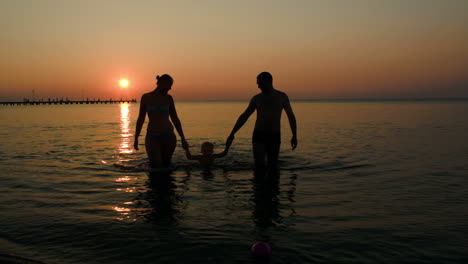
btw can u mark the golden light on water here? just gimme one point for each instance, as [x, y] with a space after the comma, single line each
[121, 209]
[125, 147]
[124, 213]
[124, 83]
[128, 190]
[123, 179]
[125, 133]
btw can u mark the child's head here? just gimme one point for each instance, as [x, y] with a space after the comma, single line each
[207, 148]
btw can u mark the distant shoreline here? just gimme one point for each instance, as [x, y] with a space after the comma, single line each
[246, 100]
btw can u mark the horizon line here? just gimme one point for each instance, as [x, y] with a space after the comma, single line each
[294, 100]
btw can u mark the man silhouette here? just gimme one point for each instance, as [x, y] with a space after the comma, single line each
[266, 137]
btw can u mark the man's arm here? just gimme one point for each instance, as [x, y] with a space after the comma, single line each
[292, 122]
[241, 120]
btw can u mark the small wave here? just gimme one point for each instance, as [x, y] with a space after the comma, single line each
[25, 157]
[10, 259]
[132, 168]
[349, 167]
[88, 168]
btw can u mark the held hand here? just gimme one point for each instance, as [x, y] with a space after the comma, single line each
[293, 143]
[185, 144]
[135, 143]
[187, 150]
[226, 149]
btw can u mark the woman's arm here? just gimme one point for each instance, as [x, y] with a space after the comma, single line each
[140, 121]
[190, 156]
[176, 122]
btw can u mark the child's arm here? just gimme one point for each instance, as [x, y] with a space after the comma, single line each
[222, 154]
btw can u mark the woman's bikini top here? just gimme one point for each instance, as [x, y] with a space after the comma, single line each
[156, 109]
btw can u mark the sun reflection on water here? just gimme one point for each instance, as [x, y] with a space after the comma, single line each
[128, 190]
[123, 179]
[124, 214]
[123, 210]
[125, 134]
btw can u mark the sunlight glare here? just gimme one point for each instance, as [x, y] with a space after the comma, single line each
[124, 83]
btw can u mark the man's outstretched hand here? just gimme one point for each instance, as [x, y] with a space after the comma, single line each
[293, 143]
[229, 141]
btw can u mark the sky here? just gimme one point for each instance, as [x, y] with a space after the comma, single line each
[214, 49]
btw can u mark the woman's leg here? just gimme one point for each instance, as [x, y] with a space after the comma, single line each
[154, 150]
[167, 150]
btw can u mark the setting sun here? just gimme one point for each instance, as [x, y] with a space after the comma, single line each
[123, 83]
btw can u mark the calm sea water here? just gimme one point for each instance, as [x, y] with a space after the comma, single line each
[370, 182]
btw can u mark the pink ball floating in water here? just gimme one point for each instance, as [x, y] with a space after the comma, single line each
[261, 250]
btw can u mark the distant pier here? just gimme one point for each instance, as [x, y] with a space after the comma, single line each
[62, 102]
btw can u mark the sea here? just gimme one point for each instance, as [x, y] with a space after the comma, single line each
[371, 181]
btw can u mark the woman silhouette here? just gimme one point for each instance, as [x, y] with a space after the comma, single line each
[160, 140]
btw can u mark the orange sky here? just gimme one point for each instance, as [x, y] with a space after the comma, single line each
[215, 49]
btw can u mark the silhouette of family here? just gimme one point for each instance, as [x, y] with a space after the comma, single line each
[160, 140]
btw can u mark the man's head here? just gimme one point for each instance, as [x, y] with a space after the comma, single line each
[265, 81]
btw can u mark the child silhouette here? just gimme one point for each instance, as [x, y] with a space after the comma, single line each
[207, 157]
